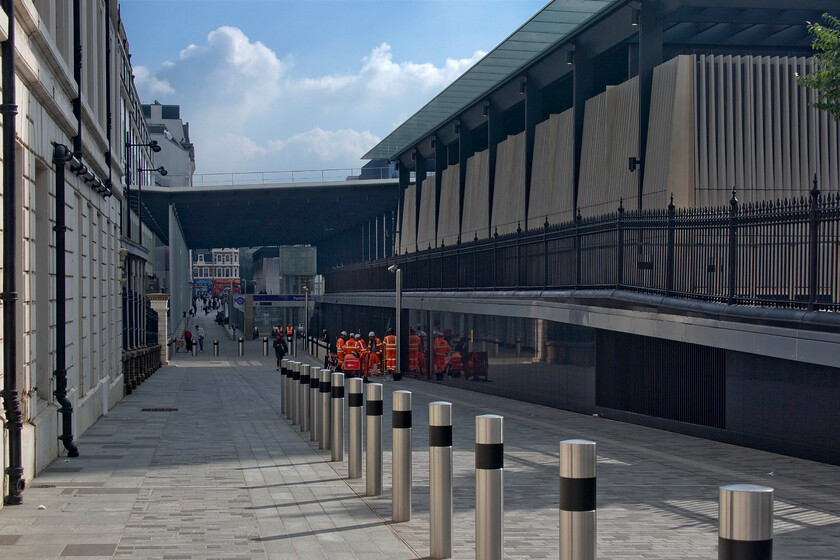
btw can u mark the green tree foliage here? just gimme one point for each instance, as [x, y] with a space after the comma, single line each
[825, 75]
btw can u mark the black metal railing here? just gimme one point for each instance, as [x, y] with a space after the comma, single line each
[770, 254]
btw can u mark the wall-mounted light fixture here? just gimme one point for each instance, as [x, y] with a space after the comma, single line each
[433, 142]
[153, 144]
[570, 56]
[523, 85]
[636, 17]
[63, 156]
[160, 170]
[634, 163]
[458, 127]
[485, 108]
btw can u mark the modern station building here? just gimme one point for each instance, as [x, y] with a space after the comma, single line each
[627, 208]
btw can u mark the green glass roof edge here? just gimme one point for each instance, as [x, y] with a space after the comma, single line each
[408, 133]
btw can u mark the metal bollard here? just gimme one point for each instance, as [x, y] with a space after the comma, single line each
[215, 347]
[303, 397]
[296, 393]
[314, 401]
[337, 391]
[401, 456]
[265, 346]
[194, 349]
[489, 487]
[373, 458]
[440, 479]
[745, 522]
[354, 405]
[326, 412]
[577, 500]
[284, 392]
[241, 346]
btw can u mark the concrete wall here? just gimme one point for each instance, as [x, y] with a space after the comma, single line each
[408, 228]
[449, 212]
[426, 225]
[509, 185]
[476, 218]
[553, 171]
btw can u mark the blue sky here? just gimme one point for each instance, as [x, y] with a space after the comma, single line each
[273, 85]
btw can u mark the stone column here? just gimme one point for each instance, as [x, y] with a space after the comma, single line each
[160, 302]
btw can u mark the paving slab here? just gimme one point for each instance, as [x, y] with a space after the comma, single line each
[226, 475]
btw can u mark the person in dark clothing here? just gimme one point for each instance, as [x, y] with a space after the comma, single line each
[279, 348]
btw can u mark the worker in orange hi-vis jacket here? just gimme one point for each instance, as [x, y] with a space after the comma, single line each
[390, 343]
[339, 349]
[413, 352]
[441, 352]
[374, 352]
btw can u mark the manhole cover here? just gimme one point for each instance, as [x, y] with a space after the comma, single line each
[158, 410]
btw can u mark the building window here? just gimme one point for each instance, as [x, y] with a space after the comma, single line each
[227, 273]
[227, 258]
[201, 258]
[195, 272]
[218, 273]
[206, 271]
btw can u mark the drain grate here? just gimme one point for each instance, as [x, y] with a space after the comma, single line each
[158, 410]
[41, 486]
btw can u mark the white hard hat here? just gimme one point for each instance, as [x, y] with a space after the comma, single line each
[343, 333]
[371, 333]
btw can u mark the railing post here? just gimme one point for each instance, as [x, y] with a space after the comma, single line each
[733, 246]
[495, 257]
[669, 264]
[620, 233]
[813, 244]
[518, 256]
[578, 220]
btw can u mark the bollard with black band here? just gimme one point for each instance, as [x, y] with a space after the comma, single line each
[295, 393]
[325, 392]
[284, 391]
[745, 529]
[314, 402]
[401, 456]
[265, 346]
[373, 432]
[489, 485]
[354, 428]
[337, 402]
[440, 479]
[215, 347]
[303, 397]
[194, 349]
[241, 346]
[578, 513]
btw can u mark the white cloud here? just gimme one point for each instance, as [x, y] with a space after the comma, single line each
[145, 82]
[249, 111]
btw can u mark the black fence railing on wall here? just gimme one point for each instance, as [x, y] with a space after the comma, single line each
[771, 254]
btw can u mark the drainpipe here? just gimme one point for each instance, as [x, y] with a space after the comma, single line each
[60, 157]
[11, 404]
[77, 74]
[108, 88]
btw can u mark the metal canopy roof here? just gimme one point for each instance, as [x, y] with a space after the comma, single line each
[279, 214]
[549, 26]
[770, 24]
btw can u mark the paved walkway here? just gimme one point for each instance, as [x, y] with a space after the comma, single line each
[224, 475]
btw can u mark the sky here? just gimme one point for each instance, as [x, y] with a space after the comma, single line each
[282, 85]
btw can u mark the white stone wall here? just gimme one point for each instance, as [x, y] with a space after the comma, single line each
[45, 89]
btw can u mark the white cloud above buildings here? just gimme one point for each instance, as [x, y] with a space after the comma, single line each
[252, 110]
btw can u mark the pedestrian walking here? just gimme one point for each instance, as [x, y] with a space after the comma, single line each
[188, 340]
[199, 332]
[279, 348]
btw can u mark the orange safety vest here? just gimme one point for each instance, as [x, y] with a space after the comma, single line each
[391, 352]
[339, 349]
[413, 351]
[441, 349]
[290, 330]
[350, 346]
